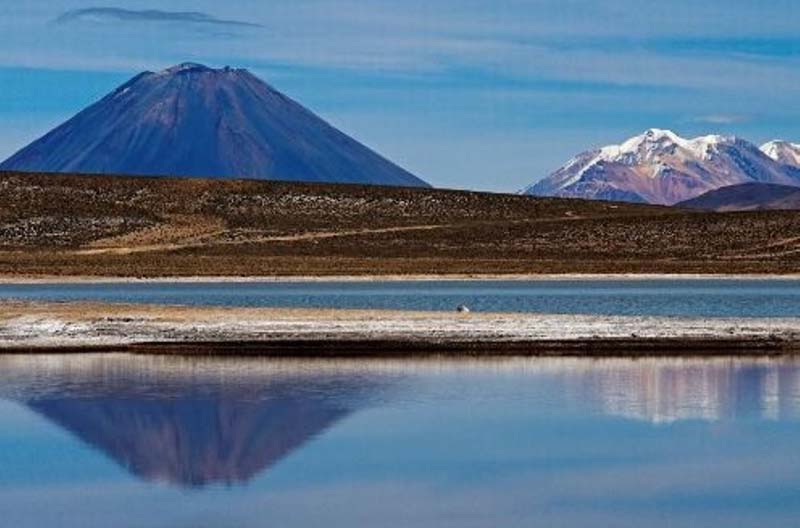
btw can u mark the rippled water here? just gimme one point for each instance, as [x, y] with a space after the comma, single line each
[669, 297]
[98, 441]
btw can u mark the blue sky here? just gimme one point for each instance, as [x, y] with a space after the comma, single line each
[490, 94]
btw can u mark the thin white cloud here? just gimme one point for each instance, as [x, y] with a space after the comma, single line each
[118, 14]
[720, 119]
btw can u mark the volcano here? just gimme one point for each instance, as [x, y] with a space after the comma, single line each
[192, 120]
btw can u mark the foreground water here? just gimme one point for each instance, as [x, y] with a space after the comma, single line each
[664, 297]
[98, 441]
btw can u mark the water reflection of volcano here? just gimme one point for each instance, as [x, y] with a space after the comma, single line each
[192, 442]
[194, 426]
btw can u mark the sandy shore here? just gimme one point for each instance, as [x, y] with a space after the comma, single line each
[77, 327]
[77, 279]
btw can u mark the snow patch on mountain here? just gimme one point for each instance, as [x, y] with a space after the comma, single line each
[783, 152]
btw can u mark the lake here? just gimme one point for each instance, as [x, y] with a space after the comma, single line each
[657, 297]
[113, 440]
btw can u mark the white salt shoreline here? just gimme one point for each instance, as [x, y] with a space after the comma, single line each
[75, 325]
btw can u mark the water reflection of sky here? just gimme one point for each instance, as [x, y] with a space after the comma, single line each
[117, 441]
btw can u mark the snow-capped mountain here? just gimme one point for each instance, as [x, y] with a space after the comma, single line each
[661, 167]
[783, 152]
[191, 120]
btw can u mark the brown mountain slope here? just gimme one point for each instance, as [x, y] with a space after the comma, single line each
[120, 226]
[747, 197]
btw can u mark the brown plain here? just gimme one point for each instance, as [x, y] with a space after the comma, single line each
[110, 226]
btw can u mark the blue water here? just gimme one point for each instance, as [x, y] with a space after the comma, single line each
[99, 441]
[667, 297]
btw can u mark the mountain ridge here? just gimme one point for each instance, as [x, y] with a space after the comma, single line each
[747, 197]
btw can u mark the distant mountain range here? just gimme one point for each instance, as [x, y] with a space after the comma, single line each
[747, 197]
[191, 120]
[660, 167]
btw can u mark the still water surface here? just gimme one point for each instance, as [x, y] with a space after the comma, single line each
[667, 297]
[99, 441]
